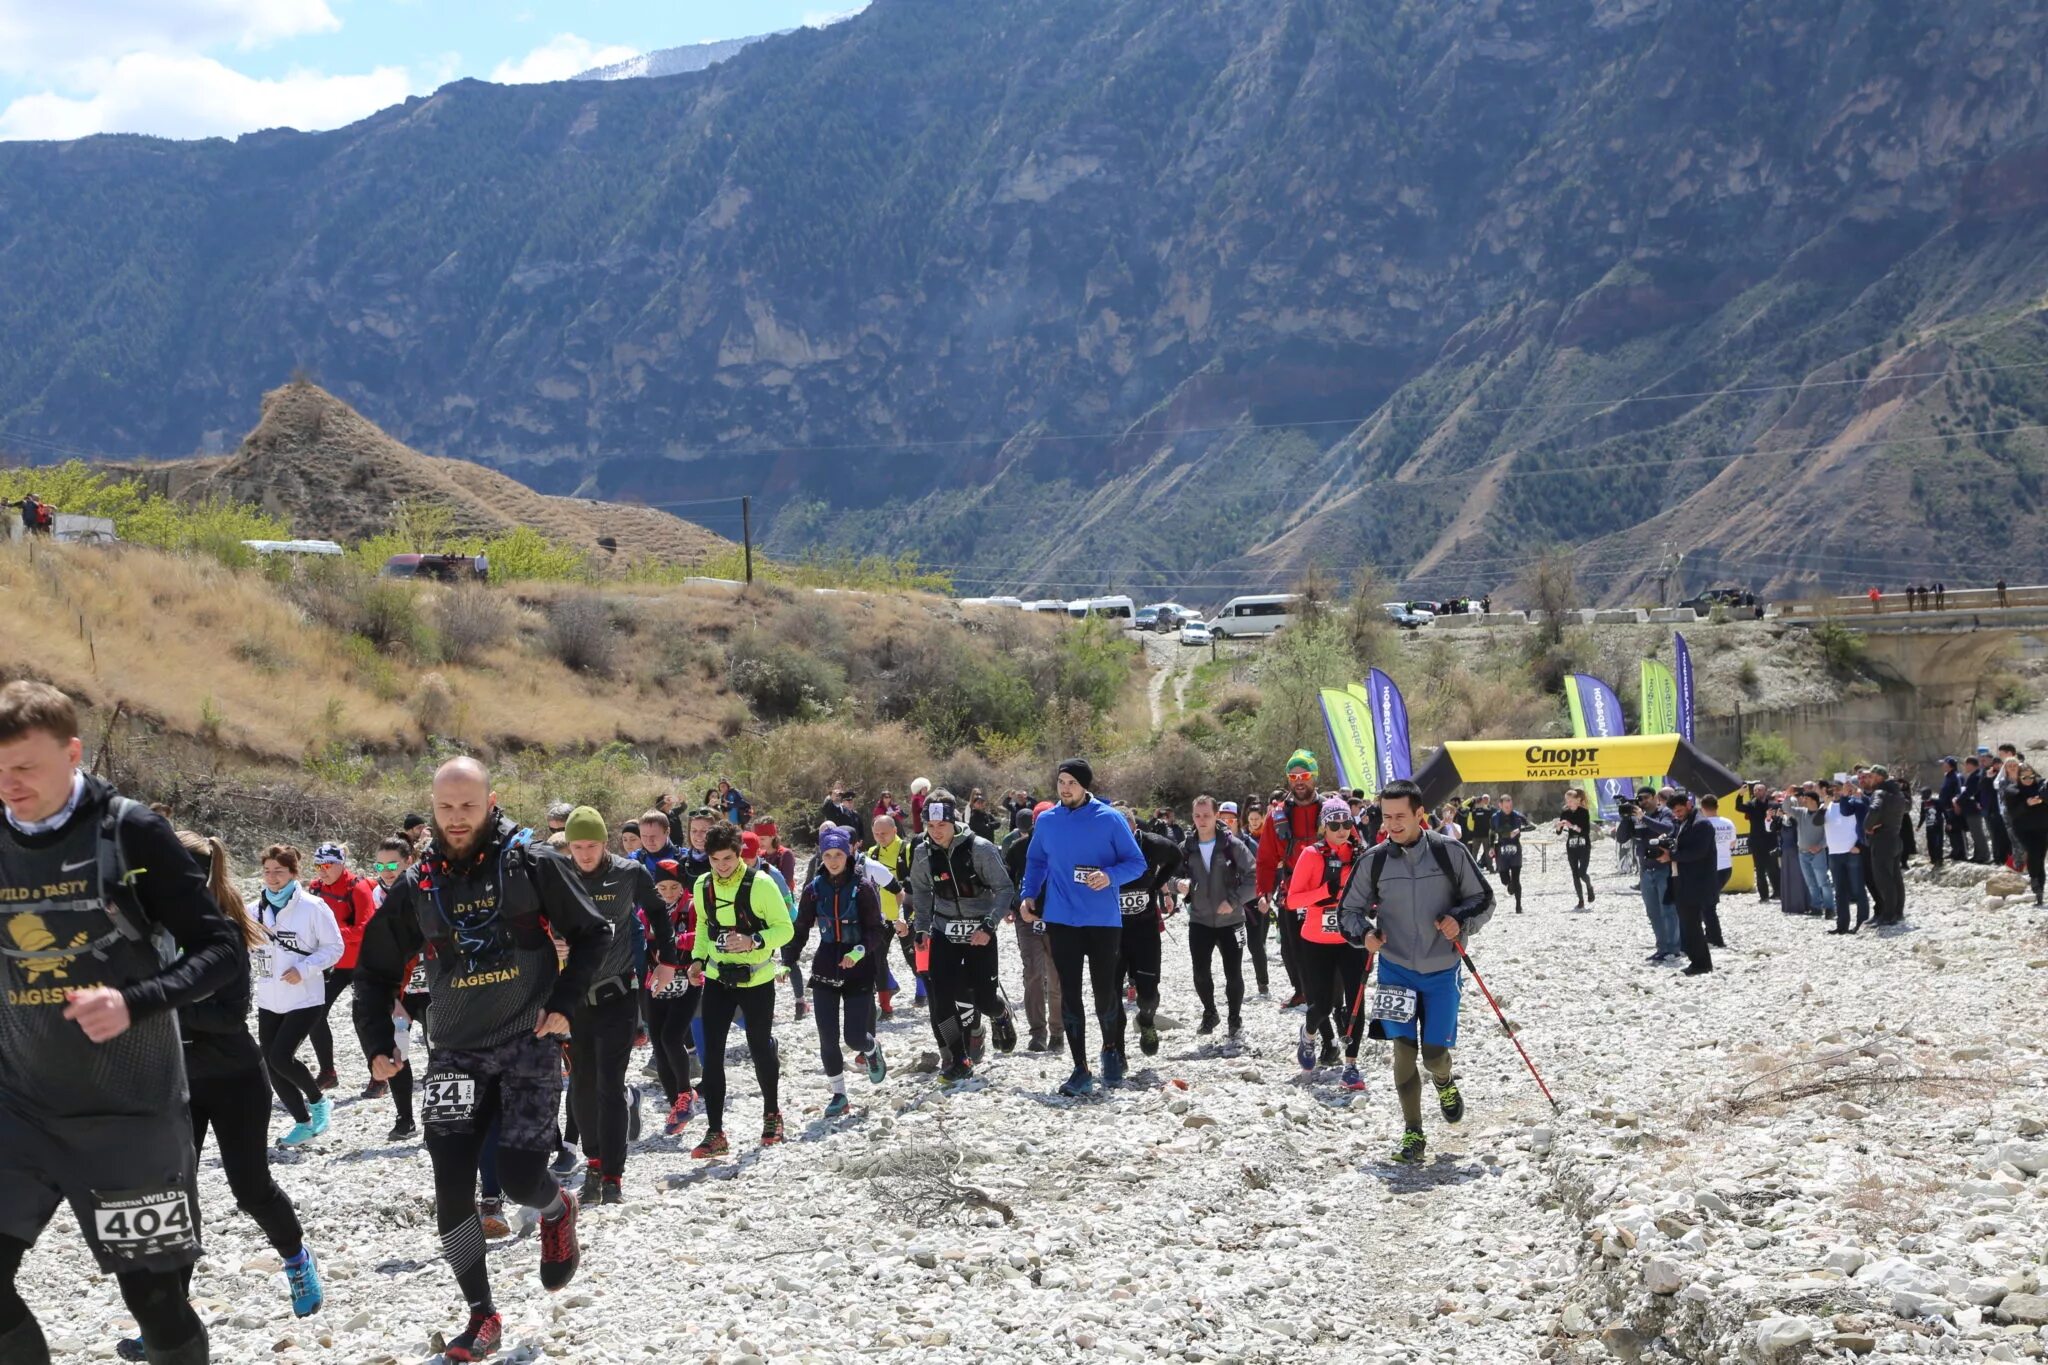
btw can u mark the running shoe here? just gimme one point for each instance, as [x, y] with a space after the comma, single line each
[1330, 1055]
[838, 1107]
[1112, 1069]
[1078, 1086]
[1305, 1049]
[803, 1009]
[302, 1273]
[1450, 1101]
[955, 1072]
[566, 1160]
[714, 1144]
[376, 1090]
[1004, 1030]
[478, 1340]
[323, 1115]
[593, 1186]
[977, 1045]
[299, 1136]
[1295, 1001]
[679, 1113]
[491, 1213]
[612, 1193]
[918, 999]
[402, 1131]
[1411, 1148]
[771, 1128]
[327, 1080]
[1236, 1025]
[1352, 1080]
[1210, 1019]
[633, 1097]
[878, 1066]
[559, 1251]
[1148, 1038]
[131, 1348]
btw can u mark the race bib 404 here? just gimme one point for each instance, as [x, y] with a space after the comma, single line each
[131, 1224]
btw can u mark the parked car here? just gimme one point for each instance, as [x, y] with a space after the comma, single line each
[1146, 619]
[1735, 599]
[1115, 608]
[1172, 615]
[444, 568]
[1196, 632]
[1406, 619]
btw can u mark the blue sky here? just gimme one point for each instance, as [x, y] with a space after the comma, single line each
[201, 68]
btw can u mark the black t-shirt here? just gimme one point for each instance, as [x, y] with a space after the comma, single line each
[1581, 826]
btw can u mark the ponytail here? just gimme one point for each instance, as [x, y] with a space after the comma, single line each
[221, 883]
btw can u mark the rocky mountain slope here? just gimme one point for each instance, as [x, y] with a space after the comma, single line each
[1069, 294]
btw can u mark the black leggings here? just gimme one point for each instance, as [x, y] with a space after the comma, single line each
[237, 1108]
[279, 1035]
[1582, 879]
[844, 1016]
[156, 1298]
[668, 1024]
[1100, 949]
[416, 1007]
[521, 1174]
[1508, 864]
[962, 991]
[721, 1002]
[1203, 943]
[338, 979]
[600, 1046]
[1256, 923]
[2035, 842]
[1290, 945]
[1143, 944]
[1331, 973]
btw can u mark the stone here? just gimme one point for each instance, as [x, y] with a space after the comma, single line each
[2030, 1157]
[929, 1260]
[1576, 1320]
[1846, 1259]
[1711, 1202]
[1858, 1343]
[2032, 1127]
[1662, 1275]
[1777, 1335]
[1624, 1343]
[1970, 1054]
[1849, 1110]
[1198, 1121]
[2031, 1309]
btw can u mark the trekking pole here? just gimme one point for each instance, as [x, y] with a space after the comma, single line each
[1466, 958]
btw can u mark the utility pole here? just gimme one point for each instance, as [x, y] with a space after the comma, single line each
[747, 533]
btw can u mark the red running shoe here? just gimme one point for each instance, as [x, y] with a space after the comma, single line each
[714, 1144]
[560, 1253]
[771, 1129]
[479, 1339]
[679, 1113]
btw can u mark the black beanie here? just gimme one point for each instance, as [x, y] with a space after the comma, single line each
[1078, 769]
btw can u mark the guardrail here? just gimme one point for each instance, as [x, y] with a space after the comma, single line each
[1895, 603]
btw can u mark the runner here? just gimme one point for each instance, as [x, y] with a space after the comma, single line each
[1218, 869]
[480, 907]
[92, 1078]
[1290, 826]
[229, 1093]
[959, 893]
[673, 1009]
[1079, 851]
[300, 941]
[893, 851]
[1144, 901]
[1575, 823]
[394, 858]
[1421, 892]
[1258, 911]
[853, 942]
[353, 900]
[742, 924]
[602, 1027]
[1506, 832]
[1034, 951]
[1331, 967]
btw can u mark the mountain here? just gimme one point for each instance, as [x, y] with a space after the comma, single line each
[1073, 294]
[317, 463]
[669, 61]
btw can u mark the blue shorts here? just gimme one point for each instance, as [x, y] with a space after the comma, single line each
[1436, 1003]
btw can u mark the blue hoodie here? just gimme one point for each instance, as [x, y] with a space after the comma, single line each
[1093, 834]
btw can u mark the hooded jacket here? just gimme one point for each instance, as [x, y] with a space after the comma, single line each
[1065, 841]
[302, 937]
[1219, 889]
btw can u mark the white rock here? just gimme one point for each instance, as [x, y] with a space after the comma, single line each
[1662, 1275]
[1775, 1334]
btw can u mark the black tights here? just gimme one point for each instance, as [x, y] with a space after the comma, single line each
[600, 1046]
[1256, 922]
[1203, 944]
[323, 1037]
[280, 1036]
[668, 1020]
[237, 1108]
[1582, 879]
[721, 1002]
[416, 1007]
[156, 1298]
[1100, 950]
[522, 1175]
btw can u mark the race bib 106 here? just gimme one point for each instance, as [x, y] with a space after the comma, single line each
[1134, 902]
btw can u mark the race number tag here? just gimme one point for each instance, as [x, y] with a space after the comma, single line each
[1330, 919]
[416, 984]
[133, 1224]
[1134, 902]
[961, 930]
[1393, 1003]
[1575, 841]
[448, 1099]
[259, 964]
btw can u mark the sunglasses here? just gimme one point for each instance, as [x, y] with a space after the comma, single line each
[386, 867]
[1338, 824]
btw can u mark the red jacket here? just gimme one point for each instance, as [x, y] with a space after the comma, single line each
[1275, 859]
[353, 900]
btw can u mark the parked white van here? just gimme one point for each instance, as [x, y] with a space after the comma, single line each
[1242, 617]
[1115, 608]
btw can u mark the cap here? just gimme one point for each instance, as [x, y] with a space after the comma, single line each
[750, 846]
[1080, 770]
[330, 853]
[412, 822]
[1041, 808]
[585, 824]
[671, 871]
[1336, 811]
[1227, 808]
[560, 810]
[1880, 770]
[835, 838]
[1983, 749]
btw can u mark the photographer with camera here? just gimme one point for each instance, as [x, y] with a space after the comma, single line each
[1651, 825]
[1688, 856]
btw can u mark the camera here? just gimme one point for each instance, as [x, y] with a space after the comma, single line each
[1663, 843]
[1630, 809]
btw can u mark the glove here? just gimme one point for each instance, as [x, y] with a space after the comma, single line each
[1353, 924]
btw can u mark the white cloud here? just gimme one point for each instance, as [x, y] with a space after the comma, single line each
[37, 36]
[820, 18]
[559, 58]
[181, 95]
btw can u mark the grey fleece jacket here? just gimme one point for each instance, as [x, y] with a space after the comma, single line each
[1414, 893]
[1212, 888]
[936, 876]
[1812, 826]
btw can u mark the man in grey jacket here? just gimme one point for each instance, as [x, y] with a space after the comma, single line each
[1218, 877]
[959, 893]
[1411, 901]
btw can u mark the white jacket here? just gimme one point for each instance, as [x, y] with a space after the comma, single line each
[304, 937]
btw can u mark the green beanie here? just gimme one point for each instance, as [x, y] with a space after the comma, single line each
[1302, 762]
[585, 824]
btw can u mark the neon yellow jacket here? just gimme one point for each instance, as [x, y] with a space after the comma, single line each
[716, 914]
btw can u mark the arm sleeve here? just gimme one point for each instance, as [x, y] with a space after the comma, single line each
[1034, 868]
[1168, 860]
[1129, 862]
[331, 945]
[392, 940]
[995, 880]
[171, 889]
[661, 930]
[576, 920]
[1305, 886]
[921, 890]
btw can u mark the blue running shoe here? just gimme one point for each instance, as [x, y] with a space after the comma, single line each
[1079, 1086]
[303, 1273]
[1112, 1070]
[1352, 1080]
[299, 1136]
[837, 1107]
[323, 1115]
[1305, 1050]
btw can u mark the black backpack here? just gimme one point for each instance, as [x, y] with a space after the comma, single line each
[1438, 848]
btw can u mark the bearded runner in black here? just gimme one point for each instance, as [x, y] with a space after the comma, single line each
[478, 908]
[106, 928]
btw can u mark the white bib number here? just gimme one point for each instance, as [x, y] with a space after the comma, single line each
[1575, 841]
[1393, 1003]
[259, 964]
[961, 930]
[1134, 902]
[416, 984]
[1330, 919]
[134, 1223]
[448, 1099]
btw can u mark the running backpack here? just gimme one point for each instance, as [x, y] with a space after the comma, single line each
[743, 917]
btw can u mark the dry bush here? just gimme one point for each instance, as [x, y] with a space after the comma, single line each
[1236, 699]
[435, 706]
[579, 634]
[1170, 770]
[788, 770]
[472, 620]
